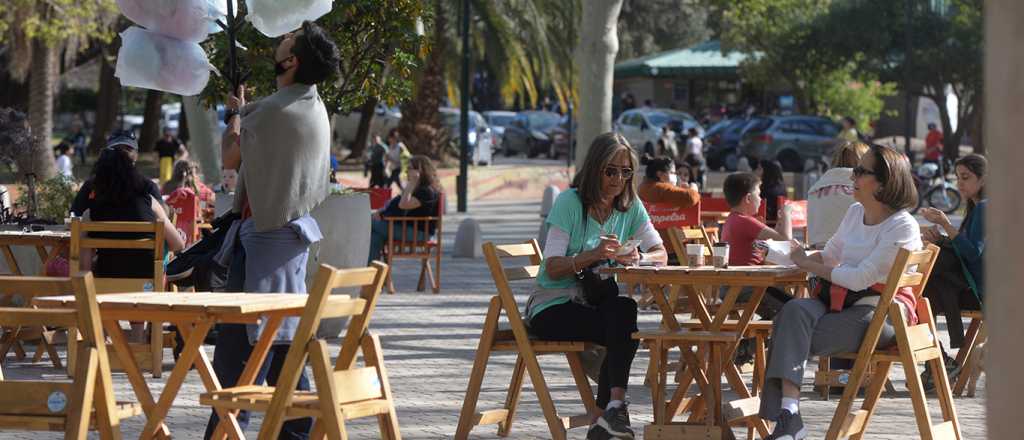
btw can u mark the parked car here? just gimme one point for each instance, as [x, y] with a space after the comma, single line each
[384, 119]
[792, 140]
[642, 126]
[722, 141]
[498, 120]
[534, 132]
[481, 141]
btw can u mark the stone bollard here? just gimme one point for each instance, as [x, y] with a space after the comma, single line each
[468, 239]
[550, 194]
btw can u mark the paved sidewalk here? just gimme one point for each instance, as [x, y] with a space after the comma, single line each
[429, 342]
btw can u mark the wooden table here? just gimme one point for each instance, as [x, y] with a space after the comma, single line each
[47, 244]
[195, 314]
[691, 281]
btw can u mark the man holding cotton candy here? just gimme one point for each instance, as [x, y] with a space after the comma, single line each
[281, 147]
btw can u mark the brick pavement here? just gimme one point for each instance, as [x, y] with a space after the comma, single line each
[429, 342]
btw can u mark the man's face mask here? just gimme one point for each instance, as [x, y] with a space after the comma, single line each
[673, 179]
[279, 68]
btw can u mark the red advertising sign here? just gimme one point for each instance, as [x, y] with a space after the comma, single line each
[185, 206]
[798, 213]
[665, 215]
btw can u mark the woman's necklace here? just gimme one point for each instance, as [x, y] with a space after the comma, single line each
[601, 213]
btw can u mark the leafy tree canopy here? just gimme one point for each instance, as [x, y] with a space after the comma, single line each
[379, 47]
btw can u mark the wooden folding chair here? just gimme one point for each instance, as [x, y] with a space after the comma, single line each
[75, 407]
[422, 246]
[343, 392]
[915, 344]
[969, 358]
[14, 336]
[151, 357]
[517, 340]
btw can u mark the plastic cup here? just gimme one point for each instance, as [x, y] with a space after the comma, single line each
[720, 255]
[695, 255]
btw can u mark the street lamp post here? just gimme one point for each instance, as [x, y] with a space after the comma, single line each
[907, 61]
[463, 180]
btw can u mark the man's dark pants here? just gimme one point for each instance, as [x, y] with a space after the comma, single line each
[232, 351]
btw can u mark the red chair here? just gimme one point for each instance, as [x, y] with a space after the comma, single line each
[717, 208]
[379, 197]
[185, 206]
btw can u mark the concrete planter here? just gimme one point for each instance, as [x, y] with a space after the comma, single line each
[344, 220]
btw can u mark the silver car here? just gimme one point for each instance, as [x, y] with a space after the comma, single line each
[791, 140]
[642, 126]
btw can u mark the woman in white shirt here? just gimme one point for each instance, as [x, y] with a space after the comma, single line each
[858, 257]
[831, 196]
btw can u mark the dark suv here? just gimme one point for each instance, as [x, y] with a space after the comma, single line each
[791, 140]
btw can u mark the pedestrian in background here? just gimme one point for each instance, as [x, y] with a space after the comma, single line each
[168, 148]
[849, 132]
[77, 141]
[933, 144]
[376, 162]
[64, 165]
[397, 158]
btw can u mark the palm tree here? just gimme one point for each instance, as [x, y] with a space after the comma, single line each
[526, 44]
[39, 34]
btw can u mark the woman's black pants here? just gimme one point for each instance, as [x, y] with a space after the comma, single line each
[949, 293]
[611, 324]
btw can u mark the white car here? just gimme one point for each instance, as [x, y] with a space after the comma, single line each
[642, 126]
[384, 119]
[481, 138]
[498, 120]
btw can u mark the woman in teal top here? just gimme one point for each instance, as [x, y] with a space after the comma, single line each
[957, 279]
[578, 239]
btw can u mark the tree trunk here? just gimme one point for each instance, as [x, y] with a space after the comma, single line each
[42, 82]
[183, 134]
[363, 132]
[978, 125]
[151, 120]
[204, 138]
[599, 43]
[108, 101]
[420, 127]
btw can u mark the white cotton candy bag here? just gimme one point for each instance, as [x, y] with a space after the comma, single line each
[157, 62]
[278, 17]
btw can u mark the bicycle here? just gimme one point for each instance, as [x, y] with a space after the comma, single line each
[934, 190]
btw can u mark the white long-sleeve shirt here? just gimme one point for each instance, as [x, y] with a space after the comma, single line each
[863, 255]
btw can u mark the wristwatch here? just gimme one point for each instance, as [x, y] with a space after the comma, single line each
[228, 114]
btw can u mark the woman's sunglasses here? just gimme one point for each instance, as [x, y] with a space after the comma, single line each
[859, 171]
[623, 172]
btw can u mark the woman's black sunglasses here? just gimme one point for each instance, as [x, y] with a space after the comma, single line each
[860, 171]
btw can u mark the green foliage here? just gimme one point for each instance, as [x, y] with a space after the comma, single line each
[378, 44]
[56, 21]
[839, 93]
[54, 197]
[651, 26]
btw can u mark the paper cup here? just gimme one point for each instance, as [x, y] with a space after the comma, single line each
[720, 255]
[695, 255]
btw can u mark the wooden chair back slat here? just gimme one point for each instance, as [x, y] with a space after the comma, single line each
[522, 273]
[356, 385]
[515, 250]
[23, 317]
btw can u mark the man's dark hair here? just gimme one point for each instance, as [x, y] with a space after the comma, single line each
[737, 186]
[318, 55]
[662, 164]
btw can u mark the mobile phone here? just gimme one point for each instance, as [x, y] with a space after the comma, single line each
[628, 247]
